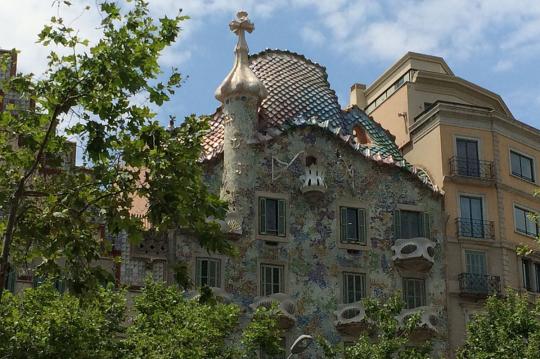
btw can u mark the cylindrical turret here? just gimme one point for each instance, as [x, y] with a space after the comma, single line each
[241, 94]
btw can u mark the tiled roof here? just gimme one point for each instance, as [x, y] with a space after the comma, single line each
[299, 94]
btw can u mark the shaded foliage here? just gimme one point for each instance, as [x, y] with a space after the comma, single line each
[506, 328]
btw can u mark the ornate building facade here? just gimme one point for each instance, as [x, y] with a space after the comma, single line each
[323, 209]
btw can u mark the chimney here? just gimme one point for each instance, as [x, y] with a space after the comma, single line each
[358, 96]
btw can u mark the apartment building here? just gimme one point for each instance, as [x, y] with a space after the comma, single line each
[468, 142]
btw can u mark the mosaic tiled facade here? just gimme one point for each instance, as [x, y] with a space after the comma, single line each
[281, 138]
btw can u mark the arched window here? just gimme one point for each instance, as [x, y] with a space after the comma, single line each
[361, 136]
[311, 160]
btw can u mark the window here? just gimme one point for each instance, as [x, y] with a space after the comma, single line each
[524, 223]
[476, 262]
[526, 267]
[272, 216]
[354, 287]
[427, 105]
[271, 279]
[414, 292]
[522, 166]
[353, 225]
[411, 224]
[468, 163]
[471, 223]
[208, 272]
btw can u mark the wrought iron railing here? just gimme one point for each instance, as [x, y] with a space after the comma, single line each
[475, 228]
[479, 284]
[468, 167]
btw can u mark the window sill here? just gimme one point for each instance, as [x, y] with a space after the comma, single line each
[353, 246]
[526, 235]
[271, 238]
[523, 179]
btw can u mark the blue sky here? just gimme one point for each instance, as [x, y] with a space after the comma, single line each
[493, 43]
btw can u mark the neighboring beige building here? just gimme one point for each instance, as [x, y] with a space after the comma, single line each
[469, 143]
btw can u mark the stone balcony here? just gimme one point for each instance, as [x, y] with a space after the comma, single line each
[286, 306]
[351, 318]
[313, 180]
[415, 254]
[429, 321]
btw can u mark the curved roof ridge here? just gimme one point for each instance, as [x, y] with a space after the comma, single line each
[288, 52]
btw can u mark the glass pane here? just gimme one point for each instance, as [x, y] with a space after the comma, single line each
[271, 215]
[521, 220]
[410, 224]
[476, 262]
[516, 163]
[526, 168]
[352, 224]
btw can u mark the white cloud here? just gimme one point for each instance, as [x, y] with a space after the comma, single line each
[503, 65]
[313, 36]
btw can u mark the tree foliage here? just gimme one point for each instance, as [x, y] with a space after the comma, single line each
[103, 93]
[42, 323]
[506, 328]
[386, 337]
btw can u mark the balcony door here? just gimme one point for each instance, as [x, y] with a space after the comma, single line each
[476, 268]
[472, 217]
[468, 163]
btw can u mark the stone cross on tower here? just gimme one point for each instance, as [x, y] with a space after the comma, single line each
[241, 81]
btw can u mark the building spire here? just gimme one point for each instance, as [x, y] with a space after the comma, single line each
[241, 81]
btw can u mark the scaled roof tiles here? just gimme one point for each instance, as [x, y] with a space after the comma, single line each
[299, 95]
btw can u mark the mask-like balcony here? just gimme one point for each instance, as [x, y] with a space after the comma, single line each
[479, 285]
[415, 254]
[285, 304]
[429, 320]
[351, 318]
[313, 180]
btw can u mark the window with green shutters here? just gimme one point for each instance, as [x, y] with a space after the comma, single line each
[411, 224]
[272, 216]
[353, 225]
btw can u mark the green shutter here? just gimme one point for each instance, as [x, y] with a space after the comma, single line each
[343, 216]
[10, 283]
[427, 225]
[397, 224]
[281, 217]
[362, 226]
[262, 215]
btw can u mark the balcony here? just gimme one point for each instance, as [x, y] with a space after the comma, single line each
[286, 306]
[351, 318]
[313, 180]
[475, 228]
[479, 285]
[471, 168]
[416, 254]
[428, 321]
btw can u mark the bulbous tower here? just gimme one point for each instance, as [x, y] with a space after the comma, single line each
[240, 93]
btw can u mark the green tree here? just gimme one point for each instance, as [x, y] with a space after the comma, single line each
[43, 323]
[90, 91]
[169, 326]
[386, 337]
[506, 328]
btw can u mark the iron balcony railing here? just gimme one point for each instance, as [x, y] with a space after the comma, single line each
[475, 228]
[479, 284]
[468, 167]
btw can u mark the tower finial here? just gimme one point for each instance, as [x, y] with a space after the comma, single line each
[241, 81]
